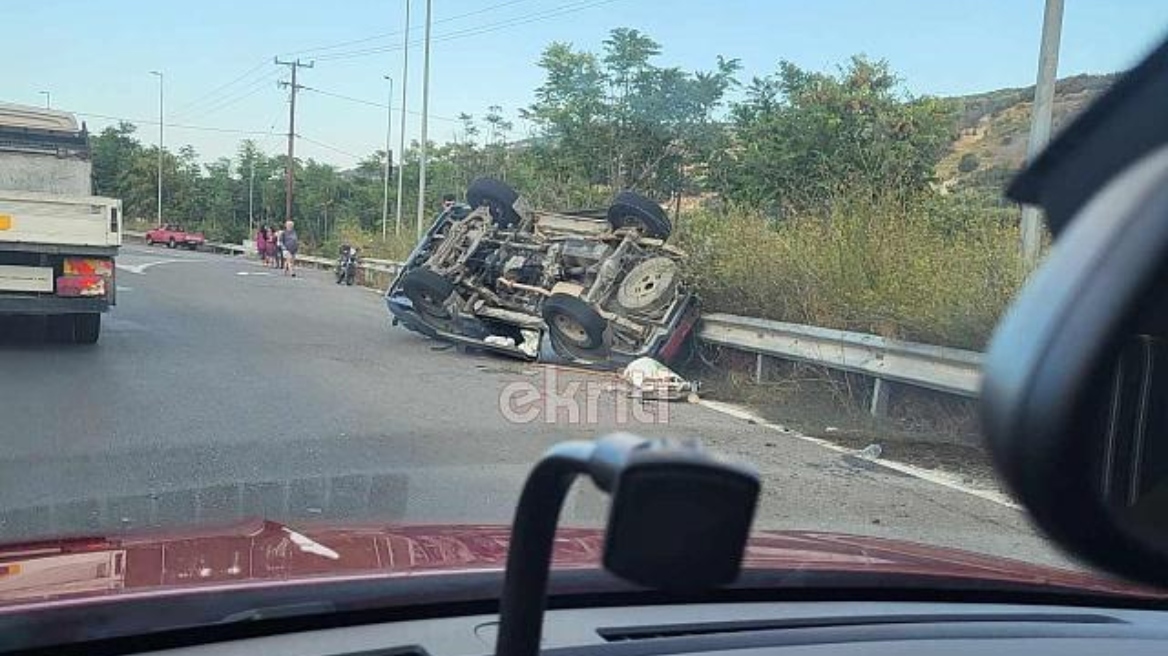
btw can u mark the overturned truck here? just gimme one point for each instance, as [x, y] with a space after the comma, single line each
[595, 288]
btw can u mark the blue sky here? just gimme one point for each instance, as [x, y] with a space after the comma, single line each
[94, 56]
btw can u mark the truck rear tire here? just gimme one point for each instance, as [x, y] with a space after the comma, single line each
[86, 328]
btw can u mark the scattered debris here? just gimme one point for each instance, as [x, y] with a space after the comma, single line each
[870, 452]
[652, 380]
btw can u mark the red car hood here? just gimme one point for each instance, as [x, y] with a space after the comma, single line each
[258, 552]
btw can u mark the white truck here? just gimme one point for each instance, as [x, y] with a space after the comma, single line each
[57, 241]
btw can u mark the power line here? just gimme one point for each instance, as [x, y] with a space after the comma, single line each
[248, 92]
[332, 148]
[186, 107]
[179, 126]
[554, 12]
[384, 35]
[372, 103]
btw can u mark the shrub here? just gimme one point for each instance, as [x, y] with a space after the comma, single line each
[871, 266]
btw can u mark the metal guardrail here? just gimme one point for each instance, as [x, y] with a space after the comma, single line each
[949, 370]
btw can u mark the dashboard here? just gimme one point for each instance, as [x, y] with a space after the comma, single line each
[748, 629]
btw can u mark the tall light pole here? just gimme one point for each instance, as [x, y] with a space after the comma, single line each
[425, 111]
[48, 98]
[250, 197]
[1042, 112]
[401, 148]
[160, 144]
[388, 160]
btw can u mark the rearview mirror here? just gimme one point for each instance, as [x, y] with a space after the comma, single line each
[1075, 392]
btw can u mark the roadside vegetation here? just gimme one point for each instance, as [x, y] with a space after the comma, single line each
[835, 199]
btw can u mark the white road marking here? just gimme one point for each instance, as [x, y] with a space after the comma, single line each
[141, 268]
[252, 273]
[125, 289]
[950, 481]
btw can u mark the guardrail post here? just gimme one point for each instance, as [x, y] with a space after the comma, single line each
[880, 391]
[758, 368]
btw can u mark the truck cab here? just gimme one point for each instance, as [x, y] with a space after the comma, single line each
[58, 242]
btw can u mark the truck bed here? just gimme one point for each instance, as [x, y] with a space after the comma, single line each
[36, 221]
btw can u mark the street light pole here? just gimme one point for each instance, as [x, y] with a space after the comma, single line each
[48, 99]
[1042, 113]
[401, 147]
[388, 160]
[251, 197]
[160, 144]
[425, 111]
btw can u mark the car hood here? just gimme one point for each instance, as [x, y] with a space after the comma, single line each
[259, 551]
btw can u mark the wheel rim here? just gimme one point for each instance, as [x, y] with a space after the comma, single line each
[648, 284]
[571, 330]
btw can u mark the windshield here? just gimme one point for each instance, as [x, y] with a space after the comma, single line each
[298, 270]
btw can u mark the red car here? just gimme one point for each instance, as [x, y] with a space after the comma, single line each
[174, 236]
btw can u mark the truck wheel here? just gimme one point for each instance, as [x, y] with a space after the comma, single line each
[170, 244]
[649, 286]
[574, 322]
[149, 241]
[86, 328]
[428, 292]
[630, 209]
[497, 196]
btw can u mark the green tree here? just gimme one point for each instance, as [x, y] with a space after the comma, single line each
[804, 138]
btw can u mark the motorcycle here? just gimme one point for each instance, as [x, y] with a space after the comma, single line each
[347, 265]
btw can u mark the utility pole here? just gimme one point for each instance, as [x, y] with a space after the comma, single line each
[1040, 119]
[388, 160]
[293, 87]
[401, 149]
[425, 111]
[160, 143]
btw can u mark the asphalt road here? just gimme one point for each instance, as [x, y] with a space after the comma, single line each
[220, 389]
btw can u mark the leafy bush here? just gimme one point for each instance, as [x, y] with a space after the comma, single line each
[881, 267]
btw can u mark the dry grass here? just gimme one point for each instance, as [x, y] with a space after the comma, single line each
[876, 267]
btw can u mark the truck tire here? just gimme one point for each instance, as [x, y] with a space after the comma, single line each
[428, 292]
[573, 322]
[170, 244]
[649, 286]
[86, 328]
[149, 241]
[497, 196]
[630, 209]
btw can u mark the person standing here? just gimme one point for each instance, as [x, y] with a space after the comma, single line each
[261, 240]
[278, 248]
[291, 245]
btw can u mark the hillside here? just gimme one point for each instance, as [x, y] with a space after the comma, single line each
[993, 127]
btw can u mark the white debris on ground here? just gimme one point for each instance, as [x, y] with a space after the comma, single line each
[651, 380]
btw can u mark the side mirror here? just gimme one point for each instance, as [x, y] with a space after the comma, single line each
[1075, 392]
[679, 521]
